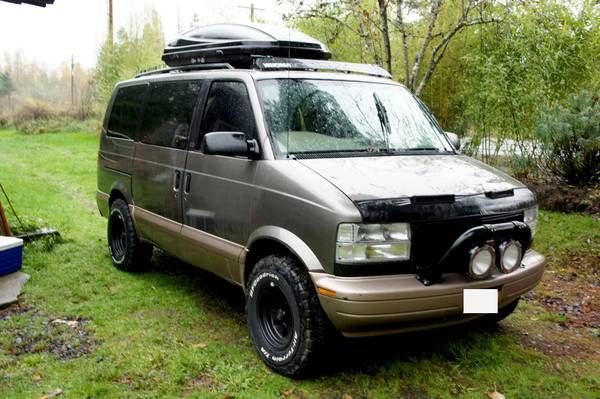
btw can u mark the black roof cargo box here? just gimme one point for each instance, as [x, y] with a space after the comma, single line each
[237, 44]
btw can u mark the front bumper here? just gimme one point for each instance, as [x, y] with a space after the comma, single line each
[380, 305]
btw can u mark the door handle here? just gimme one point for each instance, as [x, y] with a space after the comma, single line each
[187, 183]
[177, 180]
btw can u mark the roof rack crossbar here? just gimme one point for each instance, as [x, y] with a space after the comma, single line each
[278, 63]
[194, 67]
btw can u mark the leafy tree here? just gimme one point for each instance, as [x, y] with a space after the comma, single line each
[6, 86]
[411, 31]
[135, 49]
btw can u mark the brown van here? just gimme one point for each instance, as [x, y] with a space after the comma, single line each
[325, 190]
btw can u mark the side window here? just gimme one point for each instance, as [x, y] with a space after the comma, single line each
[168, 113]
[125, 112]
[228, 109]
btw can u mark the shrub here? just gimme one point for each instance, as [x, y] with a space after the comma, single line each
[570, 137]
[36, 117]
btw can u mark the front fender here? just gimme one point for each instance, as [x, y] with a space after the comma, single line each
[291, 241]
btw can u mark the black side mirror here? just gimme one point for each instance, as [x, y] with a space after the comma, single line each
[229, 144]
[454, 140]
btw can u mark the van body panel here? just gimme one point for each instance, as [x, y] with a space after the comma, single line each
[291, 196]
[211, 253]
[383, 177]
[115, 164]
[157, 177]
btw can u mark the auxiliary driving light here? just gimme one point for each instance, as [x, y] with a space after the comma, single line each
[481, 262]
[510, 256]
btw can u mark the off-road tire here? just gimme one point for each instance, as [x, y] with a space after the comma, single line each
[307, 325]
[126, 250]
[506, 311]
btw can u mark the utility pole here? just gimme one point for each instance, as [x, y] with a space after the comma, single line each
[72, 81]
[252, 11]
[110, 23]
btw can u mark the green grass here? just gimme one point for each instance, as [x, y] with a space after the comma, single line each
[180, 332]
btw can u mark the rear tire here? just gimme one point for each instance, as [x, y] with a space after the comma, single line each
[126, 250]
[286, 321]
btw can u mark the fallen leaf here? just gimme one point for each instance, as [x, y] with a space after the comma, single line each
[52, 394]
[495, 395]
[200, 345]
[36, 377]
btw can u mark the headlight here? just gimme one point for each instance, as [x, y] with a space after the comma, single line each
[361, 243]
[530, 218]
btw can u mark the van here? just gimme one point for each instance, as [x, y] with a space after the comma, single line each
[325, 190]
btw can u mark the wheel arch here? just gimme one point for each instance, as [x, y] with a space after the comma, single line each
[274, 239]
[119, 190]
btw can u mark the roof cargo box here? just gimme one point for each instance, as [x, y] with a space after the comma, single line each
[238, 44]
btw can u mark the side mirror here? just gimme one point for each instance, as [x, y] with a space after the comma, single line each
[454, 140]
[231, 144]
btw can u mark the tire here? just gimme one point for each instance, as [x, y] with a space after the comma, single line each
[506, 311]
[287, 324]
[127, 252]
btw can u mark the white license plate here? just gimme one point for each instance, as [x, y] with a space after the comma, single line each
[480, 301]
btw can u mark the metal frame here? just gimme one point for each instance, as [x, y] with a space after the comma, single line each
[281, 64]
[185, 68]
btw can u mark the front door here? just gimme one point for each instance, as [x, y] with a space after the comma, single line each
[218, 191]
[159, 163]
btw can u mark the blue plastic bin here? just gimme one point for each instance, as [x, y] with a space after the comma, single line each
[11, 255]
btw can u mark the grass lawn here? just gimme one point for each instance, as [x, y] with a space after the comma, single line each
[91, 331]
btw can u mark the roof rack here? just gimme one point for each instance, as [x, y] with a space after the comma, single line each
[184, 68]
[295, 64]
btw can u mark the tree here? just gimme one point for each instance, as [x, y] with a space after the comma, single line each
[6, 86]
[423, 37]
[135, 49]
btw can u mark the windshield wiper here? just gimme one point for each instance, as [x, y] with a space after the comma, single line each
[383, 120]
[422, 149]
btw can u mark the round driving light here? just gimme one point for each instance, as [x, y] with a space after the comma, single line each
[481, 262]
[510, 256]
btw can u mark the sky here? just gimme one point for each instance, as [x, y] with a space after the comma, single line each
[77, 28]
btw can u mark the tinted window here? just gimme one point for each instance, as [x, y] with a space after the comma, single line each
[125, 112]
[168, 113]
[228, 109]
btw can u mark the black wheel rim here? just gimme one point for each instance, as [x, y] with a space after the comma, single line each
[117, 235]
[275, 317]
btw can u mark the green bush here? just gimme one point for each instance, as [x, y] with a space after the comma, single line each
[570, 138]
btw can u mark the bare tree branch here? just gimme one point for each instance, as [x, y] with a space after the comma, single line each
[383, 12]
[438, 51]
[433, 14]
[403, 35]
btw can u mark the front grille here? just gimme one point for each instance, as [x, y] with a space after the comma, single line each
[431, 240]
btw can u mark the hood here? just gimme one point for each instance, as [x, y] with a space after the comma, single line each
[384, 177]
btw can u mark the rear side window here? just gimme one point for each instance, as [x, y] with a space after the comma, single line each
[228, 109]
[168, 113]
[125, 112]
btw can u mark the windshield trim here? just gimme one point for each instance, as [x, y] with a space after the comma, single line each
[350, 153]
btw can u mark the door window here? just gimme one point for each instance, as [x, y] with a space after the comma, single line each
[228, 109]
[168, 113]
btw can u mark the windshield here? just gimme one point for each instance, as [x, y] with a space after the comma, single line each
[325, 116]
